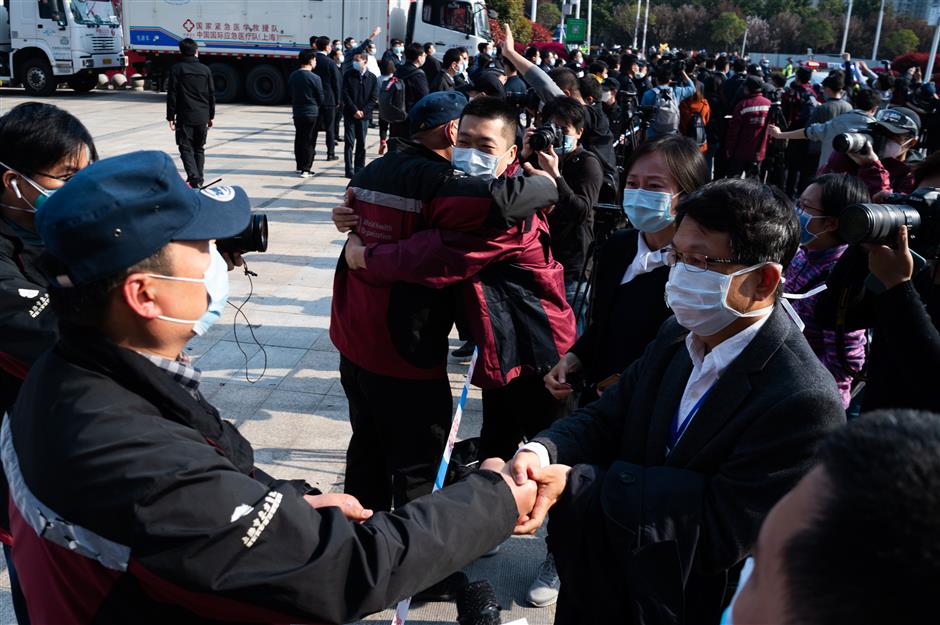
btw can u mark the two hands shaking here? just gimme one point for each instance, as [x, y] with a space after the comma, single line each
[535, 488]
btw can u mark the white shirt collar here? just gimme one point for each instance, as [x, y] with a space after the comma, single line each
[645, 260]
[725, 352]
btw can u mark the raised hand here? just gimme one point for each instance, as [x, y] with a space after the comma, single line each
[551, 484]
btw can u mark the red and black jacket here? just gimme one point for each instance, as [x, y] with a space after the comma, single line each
[132, 501]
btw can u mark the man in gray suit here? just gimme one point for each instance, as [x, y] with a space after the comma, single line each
[679, 462]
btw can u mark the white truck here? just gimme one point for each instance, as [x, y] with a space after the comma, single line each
[47, 42]
[251, 45]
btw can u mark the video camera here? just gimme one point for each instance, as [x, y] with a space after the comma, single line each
[879, 223]
[546, 135]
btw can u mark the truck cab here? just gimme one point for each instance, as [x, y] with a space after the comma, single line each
[47, 42]
[447, 23]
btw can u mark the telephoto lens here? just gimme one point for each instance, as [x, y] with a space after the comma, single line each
[477, 604]
[547, 135]
[877, 223]
[853, 142]
[254, 238]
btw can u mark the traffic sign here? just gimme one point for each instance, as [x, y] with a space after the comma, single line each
[576, 31]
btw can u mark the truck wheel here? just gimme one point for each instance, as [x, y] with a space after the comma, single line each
[265, 85]
[37, 78]
[83, 83]
[228, 82]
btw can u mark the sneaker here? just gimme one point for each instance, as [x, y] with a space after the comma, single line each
[544, 590]
[383, 145]
[332, 158]
[464, 351]
[306, 174]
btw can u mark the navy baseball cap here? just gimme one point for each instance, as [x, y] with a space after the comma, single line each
[119, 211]
[436, 109]
[899, 120]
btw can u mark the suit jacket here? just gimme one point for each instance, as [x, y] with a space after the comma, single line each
[331, 78]
[360, 93]
[431, 68]
[670, 532]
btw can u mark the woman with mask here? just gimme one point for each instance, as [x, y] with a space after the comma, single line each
[819, 208]
[41, 147]
[631, 273]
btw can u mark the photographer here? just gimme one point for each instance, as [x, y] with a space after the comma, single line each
[579, 175]
[666, 98]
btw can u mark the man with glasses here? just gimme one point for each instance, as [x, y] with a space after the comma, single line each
[679, 461]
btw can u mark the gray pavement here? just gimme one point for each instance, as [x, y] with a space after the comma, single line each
[294, 414]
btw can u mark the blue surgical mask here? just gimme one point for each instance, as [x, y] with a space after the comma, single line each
[571, 142]
[648, 211]
[44, 193]
[215, 280]
[462, 67]
[806, 237]
[475, 163]
[398, 50]
[357, 66]
[746, 570]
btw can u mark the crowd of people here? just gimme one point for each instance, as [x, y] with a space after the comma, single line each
[701, 302]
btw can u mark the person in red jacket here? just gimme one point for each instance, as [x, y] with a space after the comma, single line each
[747, 131]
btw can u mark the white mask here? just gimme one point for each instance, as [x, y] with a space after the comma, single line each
[216, 281]
[893, 149]
[476, 163]
[699, 299]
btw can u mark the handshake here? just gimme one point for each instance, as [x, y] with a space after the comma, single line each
[535, 489]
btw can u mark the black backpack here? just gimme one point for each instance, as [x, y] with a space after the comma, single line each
[697, 131]
[392, 101]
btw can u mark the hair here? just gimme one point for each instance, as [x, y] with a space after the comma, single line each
[450, 57]
[387, 67]
[663, 74]
[566, 109]
[865, 100]
[835, 81]
[86, 305]
[886, 80]
[428, 46]
[927, 168]
[531, 52]
[627, 61]
[758, 218]
[566, 79]
[839, 191]
[482, 46]
[307, 56]
[597, 67]
[188, 47]
[684, 159]
[348, 40]
[869, 553]
[721, 64]
[483, 60]
[395, 42]
[753, 84]
[335, 52]
[35, 137]
[414, 52]
[487, 107]
[739, 66]
[362, 57]
[589, 88]
[509, 66]
[321, 42]
[710, 63]
[804, 74]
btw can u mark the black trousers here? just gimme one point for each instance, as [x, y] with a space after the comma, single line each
[399, 431]
[517, 411]
[355, 134]
[801, 167]
[191, 141]
[399, 130]
[328, 125]
[305, 129]
[383, 129]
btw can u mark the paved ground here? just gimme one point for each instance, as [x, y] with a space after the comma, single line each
[295, 414]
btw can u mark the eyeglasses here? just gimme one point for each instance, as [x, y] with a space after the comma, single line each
[62, 178]
[695, 262]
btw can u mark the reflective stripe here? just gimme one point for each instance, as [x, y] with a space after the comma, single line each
[50, 525]
[755, 109]
[398, 202]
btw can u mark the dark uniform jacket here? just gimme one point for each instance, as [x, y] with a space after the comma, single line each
[643, 537]
[416, 83]
[360, 93]
[190, 93]
[132, 501]
[331, 78]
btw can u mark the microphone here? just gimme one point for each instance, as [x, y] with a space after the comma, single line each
[477, 604]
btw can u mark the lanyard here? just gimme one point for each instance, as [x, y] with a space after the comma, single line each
[678, 429]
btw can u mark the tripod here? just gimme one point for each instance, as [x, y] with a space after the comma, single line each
[608, 218]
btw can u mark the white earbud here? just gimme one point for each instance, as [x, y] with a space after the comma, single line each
[16, 189]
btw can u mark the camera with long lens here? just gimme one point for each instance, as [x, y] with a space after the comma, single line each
[852, 142]
[879, 223]
[547, 135]
[253, 238]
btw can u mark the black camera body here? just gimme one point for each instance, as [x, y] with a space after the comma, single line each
[254, 238]
[547, 135]
[879, 223]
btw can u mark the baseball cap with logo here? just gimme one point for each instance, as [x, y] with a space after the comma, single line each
[119, 211]
[899, 120]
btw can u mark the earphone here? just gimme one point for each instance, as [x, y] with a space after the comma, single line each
[16, 189]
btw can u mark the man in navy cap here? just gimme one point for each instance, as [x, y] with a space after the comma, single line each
[131, 499]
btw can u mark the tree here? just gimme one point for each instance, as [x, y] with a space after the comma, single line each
[760, 36]
[786, 28]
[549, 15]
[691, 22]
[727, 29]
[512, 11]
[817, 33]
[662, 26]
[623, 22]
[900, 42]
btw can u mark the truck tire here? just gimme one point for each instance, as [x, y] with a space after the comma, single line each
[228, 82]
[37, 78]
[83, 83]
[265, 84]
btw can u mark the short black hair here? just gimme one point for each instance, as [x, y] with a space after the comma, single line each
[188, 47]
[721, 64]
[835, 81]
[450, 57]
[627, 61]
[348, 40]
[387, 67]
[597, 67]
[35, 137]
[306, 56]
[321, 42]
[865, 100]
[739, 66]
[413, 52]
[758, 218]
[804, 74]
[589, 88]
[531, 52]
[839, 191]
[564, 78]
[487, 107]
[663, 74]
[428, 46]
[395, 42]
[482, 46]
[565, 109]
[870, 553]
[683, 158]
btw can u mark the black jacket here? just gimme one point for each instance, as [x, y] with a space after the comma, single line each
[134, 502]
[642, 538]
[442, 82]
[572, 219]
[331, 78]
[416, 83]
[599, 139]
[431, 68]
[624, 318]
[306, 93]
[360, 93]
[190, 93]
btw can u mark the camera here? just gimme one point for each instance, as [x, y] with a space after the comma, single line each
[549, 134]
[853, 142]
[879, 223]
[253, 238]
[527, 101]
